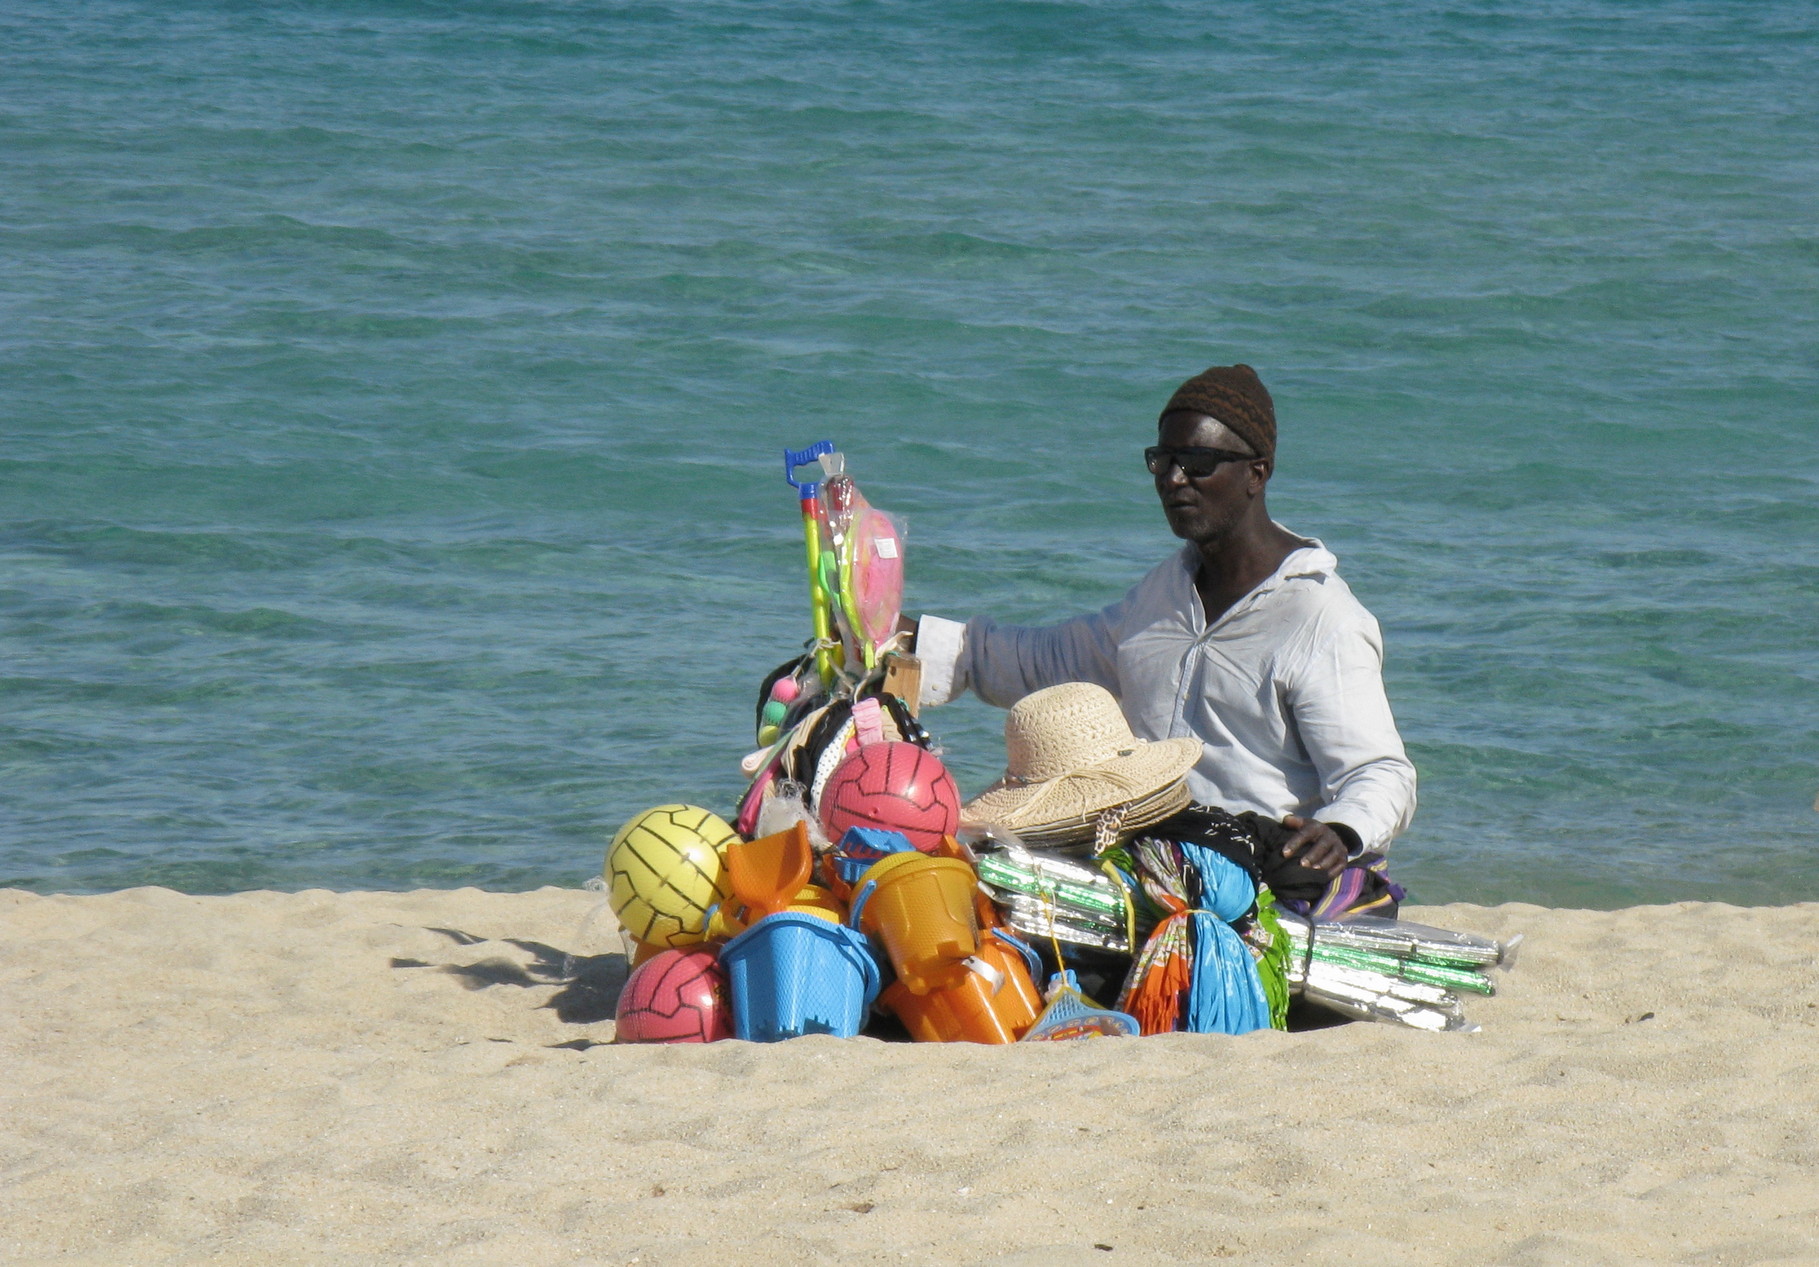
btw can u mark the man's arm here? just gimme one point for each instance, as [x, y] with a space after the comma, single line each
[1003, 663]
[1342, 714]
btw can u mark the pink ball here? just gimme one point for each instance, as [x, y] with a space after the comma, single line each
[894, 785]
[784, 690]
[678, 996]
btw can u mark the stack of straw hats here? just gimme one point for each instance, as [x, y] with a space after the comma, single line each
[1076, 774]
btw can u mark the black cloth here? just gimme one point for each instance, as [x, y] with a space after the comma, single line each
[1255, 844]
[1286, 877]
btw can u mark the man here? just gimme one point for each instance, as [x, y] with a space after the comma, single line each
[1245, 639]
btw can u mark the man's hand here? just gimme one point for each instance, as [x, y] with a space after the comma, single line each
[1314, 845]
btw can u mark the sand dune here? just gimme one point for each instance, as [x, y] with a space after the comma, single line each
[405, 1076]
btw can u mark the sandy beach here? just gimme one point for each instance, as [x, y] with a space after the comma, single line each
[391, 1077]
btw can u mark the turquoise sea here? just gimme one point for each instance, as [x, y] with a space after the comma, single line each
[391, 396]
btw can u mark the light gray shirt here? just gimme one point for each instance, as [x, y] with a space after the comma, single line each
[1285, 690]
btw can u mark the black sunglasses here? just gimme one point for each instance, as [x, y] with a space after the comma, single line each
[1195, 463]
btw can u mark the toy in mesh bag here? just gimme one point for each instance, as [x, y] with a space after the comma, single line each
[855, 565]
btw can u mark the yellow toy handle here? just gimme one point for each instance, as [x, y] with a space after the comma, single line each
[849, 602]
[828, 657]
[820, 605]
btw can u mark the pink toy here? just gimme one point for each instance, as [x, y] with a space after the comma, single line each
[896, 786]
[678, 996]
[876, 574]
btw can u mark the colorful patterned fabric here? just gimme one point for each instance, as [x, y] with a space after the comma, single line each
[1195, 972]
[1270, 946]
[1363, 888]
[1225, 996]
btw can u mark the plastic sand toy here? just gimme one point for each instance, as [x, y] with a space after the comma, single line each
[1070, 1015]
[921, 908]
[855, 564]
[996, 1001]
[768, 873]
[793, 974]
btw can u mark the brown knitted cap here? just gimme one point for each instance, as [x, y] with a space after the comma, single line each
[1235, 396]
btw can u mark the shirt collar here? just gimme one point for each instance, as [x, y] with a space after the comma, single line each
[1313, 561]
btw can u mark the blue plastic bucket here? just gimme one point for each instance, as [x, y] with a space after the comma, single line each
[792, 974]
[862, 846]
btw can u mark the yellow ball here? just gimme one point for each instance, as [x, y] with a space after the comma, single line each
[665, 869]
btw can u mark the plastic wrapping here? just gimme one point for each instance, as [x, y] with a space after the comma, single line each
[784, 805]
[857, 562]
[1044, 896]
[1402, 939]
[1371, 997]
[1390, 970]
[1034, 918]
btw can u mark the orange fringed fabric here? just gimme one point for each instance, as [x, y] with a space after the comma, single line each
[1157, 1002]
[1165, 970]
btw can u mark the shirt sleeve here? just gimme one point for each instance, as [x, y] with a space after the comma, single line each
[1003, 663]
[1343, 717]
[939, 643]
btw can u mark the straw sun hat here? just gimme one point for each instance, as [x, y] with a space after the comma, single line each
[1075, 770]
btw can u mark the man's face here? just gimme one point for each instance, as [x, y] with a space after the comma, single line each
[1205, 508]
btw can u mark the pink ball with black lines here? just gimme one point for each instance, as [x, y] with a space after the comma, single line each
[896, 786]
[678, 996]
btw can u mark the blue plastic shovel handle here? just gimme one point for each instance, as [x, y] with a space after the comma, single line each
[793, 458]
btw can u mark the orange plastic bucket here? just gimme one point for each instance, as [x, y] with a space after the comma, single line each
[971, 1010]
[815, 900]
[922, 909]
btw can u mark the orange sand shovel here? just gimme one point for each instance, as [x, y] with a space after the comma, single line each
[769, 872]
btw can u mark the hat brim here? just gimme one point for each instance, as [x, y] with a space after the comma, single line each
[1148, 783]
